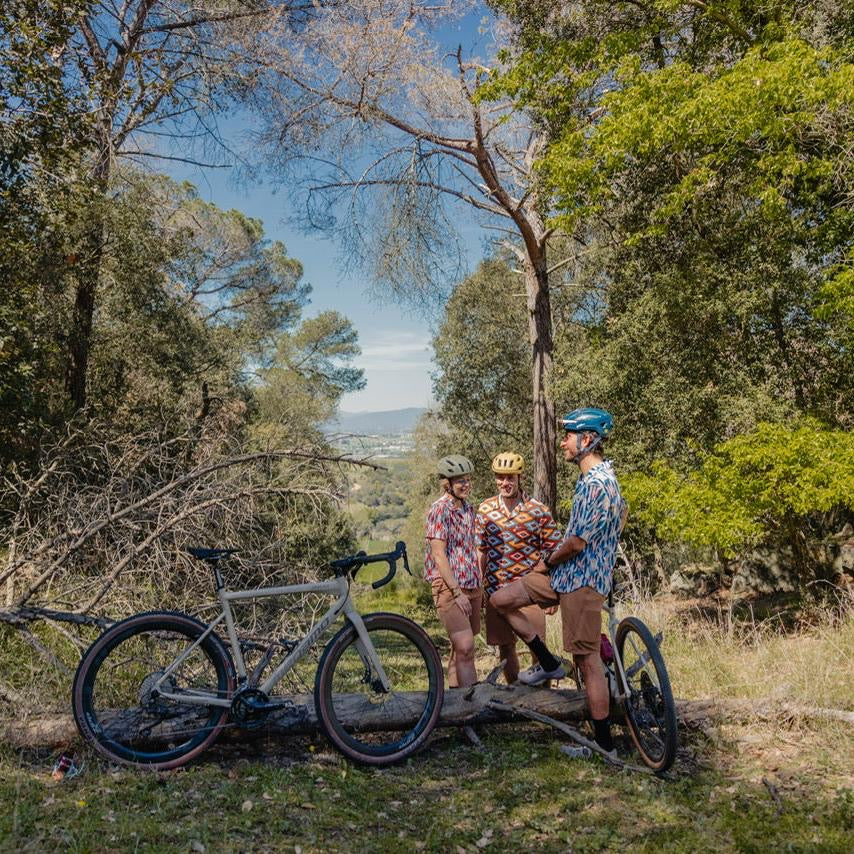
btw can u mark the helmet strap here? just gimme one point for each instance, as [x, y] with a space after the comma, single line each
[581, 453]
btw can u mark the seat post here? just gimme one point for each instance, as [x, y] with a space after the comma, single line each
[217, 576]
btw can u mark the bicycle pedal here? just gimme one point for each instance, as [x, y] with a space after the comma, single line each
[278, 706]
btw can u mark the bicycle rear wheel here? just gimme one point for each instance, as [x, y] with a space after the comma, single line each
[117, 708]
[366, 723]
[650, 710]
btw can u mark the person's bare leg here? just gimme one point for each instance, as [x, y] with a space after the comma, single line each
[508, 601]
[463, 651]
[507, 653]
[598, 699]
[452, 668]
[595, 684]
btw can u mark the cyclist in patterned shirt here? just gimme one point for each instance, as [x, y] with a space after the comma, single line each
[513, 532]
[451, 567]
[581, 568]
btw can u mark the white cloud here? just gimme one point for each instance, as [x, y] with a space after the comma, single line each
[397, 368]
[394, 351]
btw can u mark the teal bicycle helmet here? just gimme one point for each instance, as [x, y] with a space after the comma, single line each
[589, 420]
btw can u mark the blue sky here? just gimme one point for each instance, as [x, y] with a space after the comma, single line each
[395, 340]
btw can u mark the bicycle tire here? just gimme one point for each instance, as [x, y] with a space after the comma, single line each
[649, 706]
[350, 702]
[114, 709]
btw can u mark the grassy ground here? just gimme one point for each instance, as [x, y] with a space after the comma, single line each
[753, 785]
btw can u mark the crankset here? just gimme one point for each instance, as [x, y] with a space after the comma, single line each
[250, 707]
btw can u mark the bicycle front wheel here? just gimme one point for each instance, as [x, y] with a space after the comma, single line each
[650, 710]
[118, 707]
[367, 723]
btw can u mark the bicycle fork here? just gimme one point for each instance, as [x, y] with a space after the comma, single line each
[367, 651]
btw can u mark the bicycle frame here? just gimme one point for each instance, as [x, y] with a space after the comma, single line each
[343, 603]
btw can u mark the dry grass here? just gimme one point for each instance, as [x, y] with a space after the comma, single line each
[715, 655]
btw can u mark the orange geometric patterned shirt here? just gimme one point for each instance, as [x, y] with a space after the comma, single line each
[513, 543]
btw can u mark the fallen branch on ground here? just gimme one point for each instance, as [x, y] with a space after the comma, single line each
[576, 736]
[697, 712]
[482, 704]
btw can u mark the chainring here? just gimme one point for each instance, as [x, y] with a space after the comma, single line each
[249, 708]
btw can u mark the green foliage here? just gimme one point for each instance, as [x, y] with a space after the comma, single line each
[40, 126]
[307, 376]
[483, 381]
[378, 501]
[41, 117]
[701, 152]
[756, 486]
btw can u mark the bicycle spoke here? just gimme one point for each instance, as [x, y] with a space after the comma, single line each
[119, 691]
[650, 713]
[365, 721]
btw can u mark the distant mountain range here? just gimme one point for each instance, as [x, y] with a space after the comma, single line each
[391, 422]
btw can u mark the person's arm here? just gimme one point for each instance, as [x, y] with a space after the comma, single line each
[549, 539]
[439, 552]
[566, 549]
[586, 518]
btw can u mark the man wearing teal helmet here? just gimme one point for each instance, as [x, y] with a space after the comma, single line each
[577, 574]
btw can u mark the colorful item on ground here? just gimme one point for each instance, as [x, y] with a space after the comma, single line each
[597, 509]
[454, 525]
[65, 768]
[515, 542]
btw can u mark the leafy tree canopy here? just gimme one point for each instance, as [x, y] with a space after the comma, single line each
[768, 483]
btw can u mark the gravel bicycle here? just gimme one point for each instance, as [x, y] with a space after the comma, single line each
[639, 681]
[156, 689]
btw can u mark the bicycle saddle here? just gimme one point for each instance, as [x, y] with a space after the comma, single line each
[211, 555]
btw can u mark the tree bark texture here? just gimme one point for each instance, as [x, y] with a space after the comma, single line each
[461, 707]
[87, 277]
[542, 346]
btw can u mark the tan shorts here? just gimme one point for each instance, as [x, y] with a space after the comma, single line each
[498, 631]
[580, 612]
[453, 619]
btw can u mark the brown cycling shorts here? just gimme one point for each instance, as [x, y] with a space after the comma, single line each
[453, 619]
[580, 612]
[498, 631]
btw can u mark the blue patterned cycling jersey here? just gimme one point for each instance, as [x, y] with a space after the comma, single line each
[597, 509]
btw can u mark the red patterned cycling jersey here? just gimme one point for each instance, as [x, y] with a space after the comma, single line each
[513, 542]
[454, 525]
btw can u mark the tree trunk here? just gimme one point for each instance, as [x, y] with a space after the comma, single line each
[87, 276]
[542, 346]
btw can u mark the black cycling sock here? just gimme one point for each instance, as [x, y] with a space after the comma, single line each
[602, 733]
[547, 661]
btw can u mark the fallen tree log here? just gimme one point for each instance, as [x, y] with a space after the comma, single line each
[461, 707]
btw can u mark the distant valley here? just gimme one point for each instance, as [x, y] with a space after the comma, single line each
[377, 434]
[387, 423]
